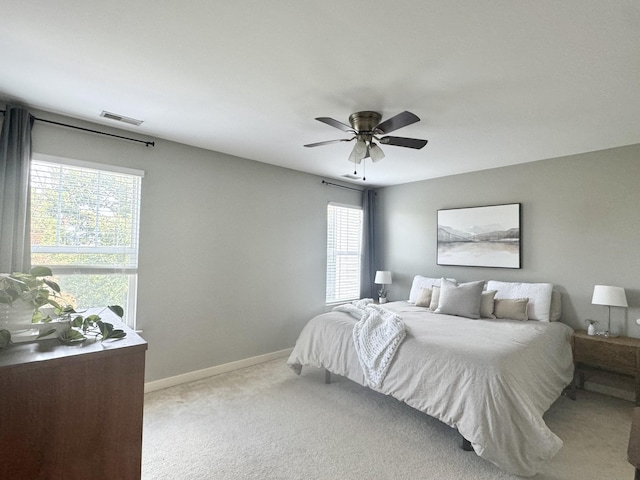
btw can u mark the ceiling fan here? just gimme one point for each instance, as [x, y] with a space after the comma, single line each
[366, 129]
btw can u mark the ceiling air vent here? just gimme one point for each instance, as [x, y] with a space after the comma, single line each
[351, 176]
[121, 118]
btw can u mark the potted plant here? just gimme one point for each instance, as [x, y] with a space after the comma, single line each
[22, 298]
[382, 294]
[29, 291]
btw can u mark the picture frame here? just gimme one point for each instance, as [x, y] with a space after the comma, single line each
[485, 236]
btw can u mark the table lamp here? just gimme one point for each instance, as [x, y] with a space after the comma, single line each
[610, 297]
[383, 277]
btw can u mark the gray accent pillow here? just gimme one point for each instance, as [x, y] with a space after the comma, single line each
[424, 298]
[486, 304]
[511, 308]
[556, 306]
[462, 300]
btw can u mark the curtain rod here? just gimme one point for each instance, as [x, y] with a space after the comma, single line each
[146, 142]
[341, 186]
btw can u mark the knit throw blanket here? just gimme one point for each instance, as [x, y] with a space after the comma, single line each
[376, 336]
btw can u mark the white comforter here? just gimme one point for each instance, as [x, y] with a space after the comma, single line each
[491, 379]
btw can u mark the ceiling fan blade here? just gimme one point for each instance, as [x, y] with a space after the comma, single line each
[394, 123]
[328, 142]
[336, 124]
[404, 142]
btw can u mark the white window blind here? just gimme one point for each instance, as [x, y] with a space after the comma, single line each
[84, 217]
[344, 245]
[84, 225]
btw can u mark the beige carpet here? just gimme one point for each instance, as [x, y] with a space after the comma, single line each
[264, 422]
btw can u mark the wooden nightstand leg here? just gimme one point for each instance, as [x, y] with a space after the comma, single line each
[577, 383]
[637, 390]
[571, 391]
[581, 379]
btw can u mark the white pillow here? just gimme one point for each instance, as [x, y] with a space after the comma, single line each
[539, 295]
[420, 282]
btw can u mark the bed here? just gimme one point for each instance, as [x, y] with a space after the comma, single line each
[492, 379]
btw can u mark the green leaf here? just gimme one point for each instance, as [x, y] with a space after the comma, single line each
[53, 285]
[86, 324]
[71, 336]
[5, 338]
[16, 279]
[37, 317]
[117, 309]
[108, 332]
[41, 272]
[116, 334]
[55, 305]
[46, 333]
[91, 319]
[105, 328]
[77, 321]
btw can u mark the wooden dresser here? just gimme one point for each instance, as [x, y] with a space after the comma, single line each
[72, 412]
[619, 356]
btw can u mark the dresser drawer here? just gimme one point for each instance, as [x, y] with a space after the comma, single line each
[616, 357]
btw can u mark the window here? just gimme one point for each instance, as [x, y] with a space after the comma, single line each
[344, 246]
[84, 225]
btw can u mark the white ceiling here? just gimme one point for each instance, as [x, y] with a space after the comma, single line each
[494, 82]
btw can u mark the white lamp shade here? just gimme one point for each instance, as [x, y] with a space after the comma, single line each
[376, 152]
[608, 295]
[383, 277]
[359, 152]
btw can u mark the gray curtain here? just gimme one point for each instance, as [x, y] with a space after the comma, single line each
[368, 289]
[15, 160]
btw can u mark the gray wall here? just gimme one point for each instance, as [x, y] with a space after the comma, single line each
[232, 252]
[580, 227]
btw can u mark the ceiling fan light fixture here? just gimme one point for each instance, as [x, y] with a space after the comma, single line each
[366, 127]
[359, 151]
[375, 152]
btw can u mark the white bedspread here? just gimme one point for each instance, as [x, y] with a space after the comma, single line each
[491, 379]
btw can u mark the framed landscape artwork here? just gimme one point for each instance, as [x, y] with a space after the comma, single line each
[480, 236]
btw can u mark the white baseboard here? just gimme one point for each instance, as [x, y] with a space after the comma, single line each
[211, 371]
[611, 391]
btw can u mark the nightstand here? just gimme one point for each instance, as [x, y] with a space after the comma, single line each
[619, 356]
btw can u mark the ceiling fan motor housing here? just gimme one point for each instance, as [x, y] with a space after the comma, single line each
[365, 122]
